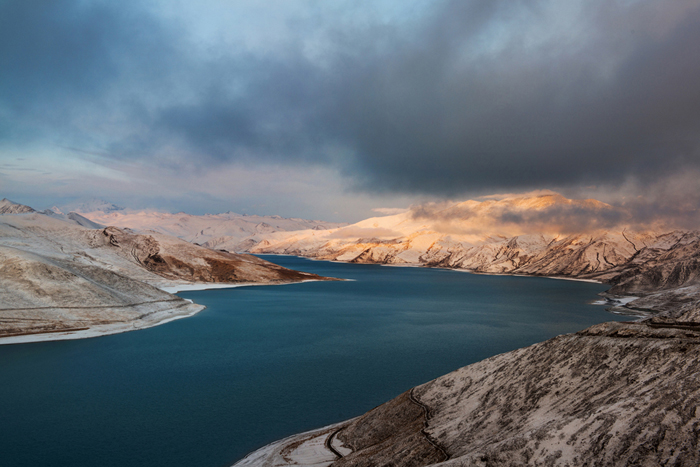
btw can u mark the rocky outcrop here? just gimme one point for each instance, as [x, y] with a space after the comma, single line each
[179, 260]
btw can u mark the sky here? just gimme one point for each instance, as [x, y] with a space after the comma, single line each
[330, 109]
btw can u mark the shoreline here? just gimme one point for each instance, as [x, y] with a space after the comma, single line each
[155, 319]
[575, 279]
[616, 305]
[161, 317]
[173, 289]
[419, 265]
[310, 448]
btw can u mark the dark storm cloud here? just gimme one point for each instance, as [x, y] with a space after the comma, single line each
[473, 95]
[60, 60]
[270, 116]
[621, 100]
[49, 48]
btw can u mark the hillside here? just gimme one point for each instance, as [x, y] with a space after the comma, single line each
[540, 234]
[57, 275]
[616, 394]
[228, 231]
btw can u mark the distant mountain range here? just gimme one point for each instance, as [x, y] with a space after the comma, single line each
[88, 205]
[227, 231]
[615, 394]
[540, 233]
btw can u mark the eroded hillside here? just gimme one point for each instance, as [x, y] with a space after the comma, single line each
[58, 276]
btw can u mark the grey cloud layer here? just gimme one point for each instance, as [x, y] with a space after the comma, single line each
[473, 95]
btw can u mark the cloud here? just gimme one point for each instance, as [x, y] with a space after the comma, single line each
[63, 60]
[364, 232]
[389, 211]
[528, 213]
[565, 110]
[464, 97]
[502, 196]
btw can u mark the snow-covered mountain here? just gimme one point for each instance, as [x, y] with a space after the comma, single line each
[88, 205]
[59, 277]
[10, 207]
[511, 235]
[72, 217]
[541, 234]
[227, 231]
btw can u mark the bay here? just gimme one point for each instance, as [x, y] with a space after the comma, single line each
[261, 363]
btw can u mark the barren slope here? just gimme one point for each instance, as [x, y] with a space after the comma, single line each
[616, 394]
[229, 231]
[663, 268]
[57, 275]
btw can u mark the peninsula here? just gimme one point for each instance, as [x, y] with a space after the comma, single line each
[63, 278]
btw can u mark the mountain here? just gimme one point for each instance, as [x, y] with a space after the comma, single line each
[541, 234]
[89, 205]
[72, 217]
[10, 207]
[616, 394]
[503, 236]
[228, 231]
[59, 278]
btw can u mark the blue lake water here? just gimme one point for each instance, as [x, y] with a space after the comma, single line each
[261, 363]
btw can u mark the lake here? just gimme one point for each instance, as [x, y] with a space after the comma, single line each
[261, 363]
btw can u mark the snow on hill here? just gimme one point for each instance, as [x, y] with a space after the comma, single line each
[62, 279]
[540, 234]
[495, 236]
[227, 231]
[73, 217]
[10, 207]
[89, 205]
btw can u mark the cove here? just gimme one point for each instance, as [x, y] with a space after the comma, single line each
[262, 363]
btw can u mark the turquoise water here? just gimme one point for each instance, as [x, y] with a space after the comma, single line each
[261, 363]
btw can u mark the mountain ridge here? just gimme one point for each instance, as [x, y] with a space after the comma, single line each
[633, 262]
[10, 207]
[61, 279]
[229, 231]
[615, 394]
